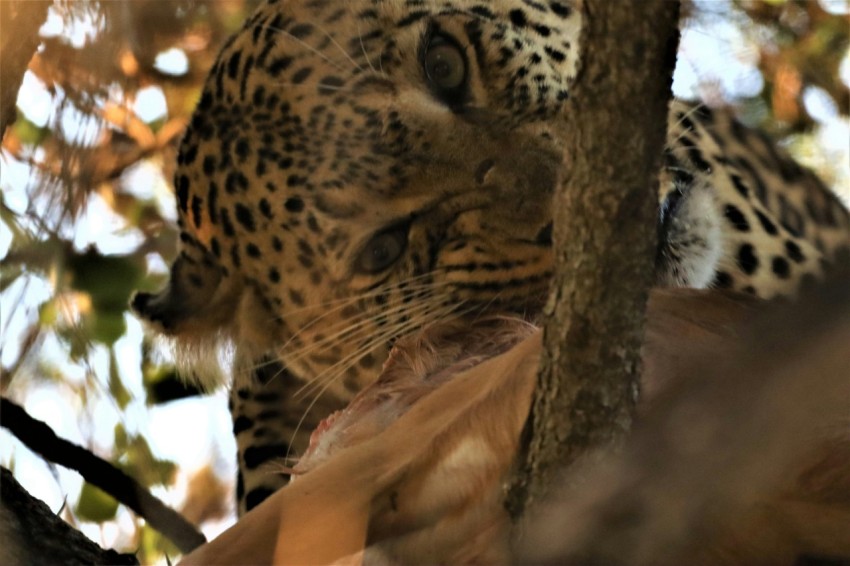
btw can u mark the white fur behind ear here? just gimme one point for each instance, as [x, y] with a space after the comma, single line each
[693, 241]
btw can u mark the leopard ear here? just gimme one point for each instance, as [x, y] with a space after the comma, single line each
[198, 303]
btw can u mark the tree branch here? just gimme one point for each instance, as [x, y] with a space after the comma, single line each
[19, 23]
[30, 533]
[40, 438]
[604, 239]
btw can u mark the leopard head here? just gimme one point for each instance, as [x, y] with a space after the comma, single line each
[356, 170]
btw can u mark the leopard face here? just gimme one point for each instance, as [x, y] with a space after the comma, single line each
[355, 171]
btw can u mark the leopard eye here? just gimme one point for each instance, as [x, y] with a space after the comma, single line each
[445, 65]
[382, 250]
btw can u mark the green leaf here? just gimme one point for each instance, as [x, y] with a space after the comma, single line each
[116, 386]
[48, 313]
[109, 280]
[152, 545]
[28, 132]
[107, 327]
[139, 462]
[95, 504]
[121, 438]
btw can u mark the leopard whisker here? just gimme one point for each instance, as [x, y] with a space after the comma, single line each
[338, 46]
[325, 87]
[356, 355]
[363, 49]
[416, 291]
[348, 325]
[448, 309]
[691, 111]
[330, 374]
[420, 291]
[371, 293]
[353, 331]
[288, 35]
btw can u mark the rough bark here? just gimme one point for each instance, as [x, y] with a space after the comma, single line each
[30, 533]
[742, 453]
[604, 238]
[19, 23]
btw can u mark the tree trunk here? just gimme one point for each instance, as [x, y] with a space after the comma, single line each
[742, 451]
[604, 234]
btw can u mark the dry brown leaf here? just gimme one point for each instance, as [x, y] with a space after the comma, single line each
[126, 120]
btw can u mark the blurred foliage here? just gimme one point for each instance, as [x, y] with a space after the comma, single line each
[802, 46]
[86, 214]
[100, 113]
[800, 49]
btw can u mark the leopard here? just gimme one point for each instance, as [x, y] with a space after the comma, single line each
[357, 170]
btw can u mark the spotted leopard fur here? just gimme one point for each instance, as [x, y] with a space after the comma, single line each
[355, 170]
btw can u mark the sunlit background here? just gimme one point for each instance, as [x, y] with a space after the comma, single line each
[88, 215]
